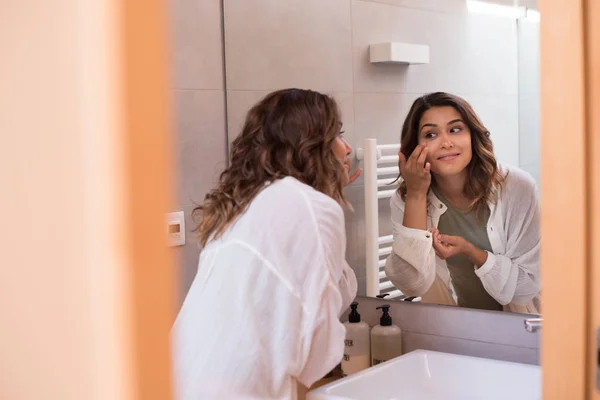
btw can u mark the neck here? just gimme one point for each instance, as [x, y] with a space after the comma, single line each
[452, 187]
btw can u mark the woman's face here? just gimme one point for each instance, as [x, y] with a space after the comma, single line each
[342, 151]
[448, 138]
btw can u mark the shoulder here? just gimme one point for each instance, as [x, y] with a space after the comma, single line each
[518, 184]
[516, 178]
[305, 224]
[297, 202]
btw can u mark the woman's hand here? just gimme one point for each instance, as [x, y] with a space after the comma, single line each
[415, 172]
[354, 176]
[447, 246]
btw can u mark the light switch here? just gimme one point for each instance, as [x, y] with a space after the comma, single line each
[175, 229]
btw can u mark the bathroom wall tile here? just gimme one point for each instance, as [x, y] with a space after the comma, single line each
[201, 142]
[385, 217]
[414, 341]
[376, 23]
[529, 96]
[443, 6]
[354, 195]
[492, 327]
[187, 256]
[295, 43]
[239, 103]
[362, 286]
[357, 225]
[469, 53]
[380, 116]
[528, 32]
[196, 46]
[500, 115]
[529, 129]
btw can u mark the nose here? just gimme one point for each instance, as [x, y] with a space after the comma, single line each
[348, 148]
[446, 142]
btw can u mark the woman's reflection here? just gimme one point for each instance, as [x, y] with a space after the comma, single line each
[466, 230]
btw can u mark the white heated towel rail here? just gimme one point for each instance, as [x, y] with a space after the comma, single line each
[380, 169]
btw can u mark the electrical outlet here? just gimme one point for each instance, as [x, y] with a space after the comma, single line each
[175, 229]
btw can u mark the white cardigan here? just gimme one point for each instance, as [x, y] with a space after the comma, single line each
[511, 274]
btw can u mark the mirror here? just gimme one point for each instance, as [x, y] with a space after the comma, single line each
[484, 51]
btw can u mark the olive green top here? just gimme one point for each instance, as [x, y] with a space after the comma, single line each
[467, 286]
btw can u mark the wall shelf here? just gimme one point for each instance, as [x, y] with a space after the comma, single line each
[399, 53]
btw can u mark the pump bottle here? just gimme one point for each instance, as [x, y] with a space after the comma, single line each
[386, 338]
[357, 346]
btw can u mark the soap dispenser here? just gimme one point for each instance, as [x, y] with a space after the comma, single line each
[357, 346]
[386, 339]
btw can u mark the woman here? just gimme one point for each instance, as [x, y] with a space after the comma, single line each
[262, 312]
[466, 230]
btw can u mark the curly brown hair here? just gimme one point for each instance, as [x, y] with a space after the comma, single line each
[484, 178]
[289, 132]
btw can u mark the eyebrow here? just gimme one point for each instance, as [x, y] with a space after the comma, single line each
[434, 125]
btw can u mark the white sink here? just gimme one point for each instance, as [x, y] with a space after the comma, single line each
[431, 375]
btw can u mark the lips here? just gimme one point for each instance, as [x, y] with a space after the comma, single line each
[347, 165]
[448, 157]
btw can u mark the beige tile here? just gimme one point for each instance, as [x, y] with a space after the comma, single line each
[500, 115]
[196, 44]
[354, 194]
[380, 116]
[529, 129]
[355, 227]
[375, 23]
[362, 286]
[201, 144]
[528, 33]
[475, 54]
[469, 53]
[272, 44]
[490, 59]
[239, 103]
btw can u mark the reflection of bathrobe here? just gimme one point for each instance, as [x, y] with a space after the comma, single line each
[263, 311]
[511, 274]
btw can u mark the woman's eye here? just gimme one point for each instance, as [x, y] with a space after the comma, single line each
[342, 133]
[430, 135]
[456, 129]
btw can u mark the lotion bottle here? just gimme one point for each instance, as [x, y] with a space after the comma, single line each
[386, 338]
